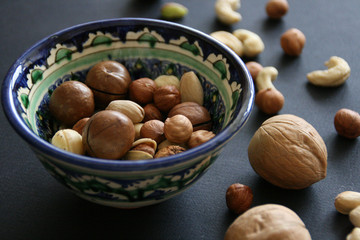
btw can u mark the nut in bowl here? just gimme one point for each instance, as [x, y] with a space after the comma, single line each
[148, 49]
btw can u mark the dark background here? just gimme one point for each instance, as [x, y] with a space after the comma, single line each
[34, 206]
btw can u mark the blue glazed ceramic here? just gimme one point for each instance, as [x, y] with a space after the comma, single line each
[148, 48]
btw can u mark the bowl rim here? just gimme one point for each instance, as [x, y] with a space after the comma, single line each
[43, 146]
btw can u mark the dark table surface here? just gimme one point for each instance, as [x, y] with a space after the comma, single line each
[34, 206]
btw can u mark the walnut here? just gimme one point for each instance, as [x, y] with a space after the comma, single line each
[268, 221]
[169, 150]
[288, 152]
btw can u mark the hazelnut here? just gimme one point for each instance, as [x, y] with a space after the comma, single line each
[108, 134]
[254, 68]
[347, 123]
[269, 100]
[198, 115]
[79, 125]
[153, 129]
[166, 97]
[71, 101]
[152, 112]
[109, 80]
[169, 150]
[142, 90]
[292, 42]
[277, 8]
[199, 137]
[239, 198]
[178, 129]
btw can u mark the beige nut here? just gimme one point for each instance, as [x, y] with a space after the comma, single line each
[191, 89]
[229, 40]
[68, 140]
[354, 235]
[226, 11]
[354, 216]
[142, 149]
[165, 80]
[178, 129]
[138, 127]
[131, 109]
[288, 152]
[252, 43]
[347, 201]
[268, 221]
[337, 73]
[268, 98]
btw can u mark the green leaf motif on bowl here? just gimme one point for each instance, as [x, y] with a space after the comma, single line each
[63, 53]
[101, 40]
[221, 67]
[147, 37]
[25, 100]
[36, 75]
[190, 47]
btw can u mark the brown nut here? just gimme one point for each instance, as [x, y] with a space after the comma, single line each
[347, 123]
[109, 80]
[108, 134]
[199, 137]
[239, 198]
[293, 42]
[288, 152]
[197, 114]
[70, 102]
[142, 90]
[152, 112]
[178, 129]
[169, 150]
[269, 100]
[79, 125]
[166, 97]
[254, 68]
[268, 221]
[153, 129]
[276, 8]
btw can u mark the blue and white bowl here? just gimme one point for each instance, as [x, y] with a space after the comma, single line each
[148, 48]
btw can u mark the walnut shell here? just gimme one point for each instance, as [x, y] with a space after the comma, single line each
[288, 152]
[268, 221]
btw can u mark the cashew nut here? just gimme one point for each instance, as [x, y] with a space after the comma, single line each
[268, 98]
[229, 40]
[337, 73]
[225, 11]
[347, 201]
[354, 216]
[354, 235]
[253, 45]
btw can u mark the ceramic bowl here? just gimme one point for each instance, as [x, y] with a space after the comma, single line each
[148, 48]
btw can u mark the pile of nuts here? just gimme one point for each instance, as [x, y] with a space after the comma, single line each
[112, 117]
